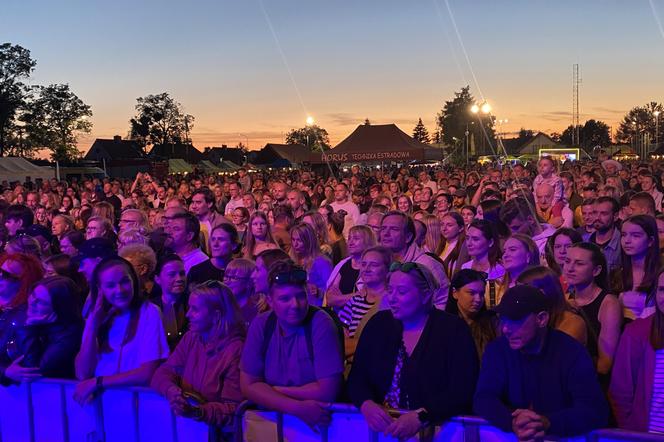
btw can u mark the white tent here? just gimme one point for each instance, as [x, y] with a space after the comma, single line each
[16, 169]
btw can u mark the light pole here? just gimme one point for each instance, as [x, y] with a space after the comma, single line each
[246, 139]
[484, 108]
[309, 122]
[656, 114]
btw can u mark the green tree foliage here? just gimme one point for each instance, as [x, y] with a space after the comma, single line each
[314, 137]
[592, 133]
[420, 133]
[456, 118]
[16, 65]
[53, 119]
[159, 120]
[639, 121]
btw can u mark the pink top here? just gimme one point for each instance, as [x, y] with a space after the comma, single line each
[211, 371]
[630, 392]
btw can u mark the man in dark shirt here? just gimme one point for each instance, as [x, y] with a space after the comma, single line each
[536, 381]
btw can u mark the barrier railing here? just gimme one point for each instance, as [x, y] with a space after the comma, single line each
[45, 411]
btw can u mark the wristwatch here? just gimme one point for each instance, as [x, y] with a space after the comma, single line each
[422, 415]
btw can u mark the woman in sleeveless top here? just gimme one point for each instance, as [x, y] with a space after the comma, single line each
[586, 274]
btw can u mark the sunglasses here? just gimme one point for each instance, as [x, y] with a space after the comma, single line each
[408, 267]
[297, 276]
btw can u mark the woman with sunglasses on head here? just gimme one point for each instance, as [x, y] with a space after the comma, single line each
[413, 357]
[466, 300]
[201, 379]
[124, 339]
[51, 336]
[18, 272]
[293, 359]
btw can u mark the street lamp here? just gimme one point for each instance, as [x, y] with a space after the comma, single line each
[310, 120]
[656, 114]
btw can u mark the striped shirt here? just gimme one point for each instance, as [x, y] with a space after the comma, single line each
[353, 311]
[657, 403]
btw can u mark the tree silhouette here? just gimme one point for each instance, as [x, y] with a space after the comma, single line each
[314, 137]
[53, 119]
[420, 133]
[160, 120]
[456, 118]
[16, 65]
[592, 133]
[639, 121]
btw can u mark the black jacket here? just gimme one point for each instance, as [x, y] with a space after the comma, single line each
[51, 347]
[440, 375]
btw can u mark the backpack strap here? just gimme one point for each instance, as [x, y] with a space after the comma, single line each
[308, 330]
[270, 327]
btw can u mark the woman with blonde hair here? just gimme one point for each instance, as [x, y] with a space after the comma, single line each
[306, 253]
[104, 209]
[258, 236]
[319, 224]
[345, 277]
[433, 239]
[238, 278]
[519, 253]
[201, 379]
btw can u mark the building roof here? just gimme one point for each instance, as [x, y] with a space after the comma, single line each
[278, 155]
[114, 149]
[185, 152]
[379, 142]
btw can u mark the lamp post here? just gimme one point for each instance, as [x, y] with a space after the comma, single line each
[656, 114]
[309, 122]
[246, 139]
[484, 108]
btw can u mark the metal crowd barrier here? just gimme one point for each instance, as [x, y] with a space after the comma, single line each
[45, 411]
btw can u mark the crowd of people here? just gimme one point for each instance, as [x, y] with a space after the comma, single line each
[530, 295]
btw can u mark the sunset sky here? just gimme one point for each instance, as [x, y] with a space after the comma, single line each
[259, 68]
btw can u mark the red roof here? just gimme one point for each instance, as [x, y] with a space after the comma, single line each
[377, 142]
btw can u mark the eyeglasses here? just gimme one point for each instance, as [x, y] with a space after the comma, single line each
[228, 277]
[8, 276]
[407, 267]
[296, 276]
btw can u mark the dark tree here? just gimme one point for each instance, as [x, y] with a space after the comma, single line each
[16, 65]
[160, 119]
[456, 118]
[592, 133]
[53, 119]
[639, 121]
[314, 137]
[525, 135]
[420, 133]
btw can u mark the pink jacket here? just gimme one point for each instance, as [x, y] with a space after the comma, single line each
[211, 371]
[632, 379]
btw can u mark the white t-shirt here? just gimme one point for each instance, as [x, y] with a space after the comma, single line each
[149, 343]
[232, 205]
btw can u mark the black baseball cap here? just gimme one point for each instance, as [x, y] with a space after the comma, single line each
[96, 248]
[520, 301]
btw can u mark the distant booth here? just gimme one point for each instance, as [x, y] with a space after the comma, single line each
[18, 169]
[279, 156]
[378, 144]
[179, 166]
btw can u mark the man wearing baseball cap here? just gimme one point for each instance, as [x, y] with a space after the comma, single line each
[535, 380]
